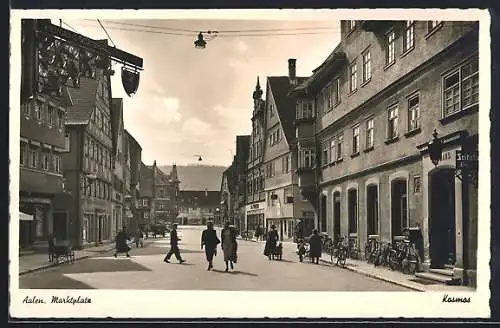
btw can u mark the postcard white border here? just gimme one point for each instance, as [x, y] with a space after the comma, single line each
[196, 304]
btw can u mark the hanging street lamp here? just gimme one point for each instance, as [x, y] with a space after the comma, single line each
[203, 38]
[435, 147]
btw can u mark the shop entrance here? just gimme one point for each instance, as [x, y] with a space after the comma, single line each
[442, 228]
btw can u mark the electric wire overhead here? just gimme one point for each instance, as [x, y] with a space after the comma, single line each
[109, 37]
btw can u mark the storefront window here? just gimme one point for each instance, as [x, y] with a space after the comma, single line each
[85, 229]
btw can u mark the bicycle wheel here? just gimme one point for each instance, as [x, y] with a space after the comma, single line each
[342, 258]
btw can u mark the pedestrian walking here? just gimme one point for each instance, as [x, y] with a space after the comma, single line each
[229, 245]
[139, 239]
[271, 242]
[174, 246]
[210, 240]
[121, 242]
[315, 246]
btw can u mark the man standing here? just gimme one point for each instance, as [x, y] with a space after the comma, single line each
[174, 246]
[121, 242]
[210, 240]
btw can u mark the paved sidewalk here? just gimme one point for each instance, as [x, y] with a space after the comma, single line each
[35, 262]
[394, 277]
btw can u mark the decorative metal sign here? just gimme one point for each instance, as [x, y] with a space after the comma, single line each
[54, 58]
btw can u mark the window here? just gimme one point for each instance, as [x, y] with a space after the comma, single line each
[306, 159]
[60, 120]
[271, 110]
[285, 164]
[45, 161]
[324, 154]
[392, 127]
[337, 90]
[355, 140]
[32, 157]
[22, 154]
[340, 141]
[146, 215]
[353, 74]
[413, 113]
[57, 163]
[86, 147]
[461, 88]
[329, 98]
[50, 114]
[367, 66]
[351, 25]
[38, 110]
[27, 110]
[391, 48]
[370, 128]
[409, 36]
[431, 25]
[333, 144]
[67, 142]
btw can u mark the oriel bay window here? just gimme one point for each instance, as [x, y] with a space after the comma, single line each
[461, 88]
[304, 109]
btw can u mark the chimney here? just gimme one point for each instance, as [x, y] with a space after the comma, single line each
[291, 71]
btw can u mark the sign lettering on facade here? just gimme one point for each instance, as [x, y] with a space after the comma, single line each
[467, 159]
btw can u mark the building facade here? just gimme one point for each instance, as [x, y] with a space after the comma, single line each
[88, 161]
[121, 163]
[42, 142]
[285, 207]
[255, 195]
[197, 207]
[132, 197]
[145, 202]
[364, 120]
[166, 191]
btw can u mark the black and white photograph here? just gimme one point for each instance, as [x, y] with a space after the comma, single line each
[249, 163]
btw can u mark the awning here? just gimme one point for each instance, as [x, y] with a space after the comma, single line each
[25, 217]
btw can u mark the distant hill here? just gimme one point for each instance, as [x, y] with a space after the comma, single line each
[197, 177]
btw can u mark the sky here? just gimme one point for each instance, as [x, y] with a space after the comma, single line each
[195, 102]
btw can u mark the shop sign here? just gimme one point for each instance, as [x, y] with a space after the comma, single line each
[467, 160]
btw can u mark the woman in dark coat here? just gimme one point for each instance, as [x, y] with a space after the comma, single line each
[271, 241]
[315, 246]
[210, 240]
[229, 245]
[121, 243]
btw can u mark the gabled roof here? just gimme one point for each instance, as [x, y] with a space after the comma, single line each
[132, 140]
[162, 177]
[285, 104]
[146, 181]
[84, 99]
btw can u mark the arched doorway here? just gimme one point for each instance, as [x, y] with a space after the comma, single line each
[336, 214]
[322, 224]
[399, 208]
[442, 227]
[372, 210]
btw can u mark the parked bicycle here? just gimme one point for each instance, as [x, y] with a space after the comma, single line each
[371, 249]
[340, 251]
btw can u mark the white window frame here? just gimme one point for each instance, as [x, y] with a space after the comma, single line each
[390, 55]
[325, 153]
[458, 70]
[370, 132]
[432, 25]
[337, 89]
[367, 66]
[340, 146]
[353, 77]
[394, 133]
[333, 147]
[409, 36]
[355, 139]
[413, 113]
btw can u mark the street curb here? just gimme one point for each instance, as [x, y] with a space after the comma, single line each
[375, 276]
[51, 265]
